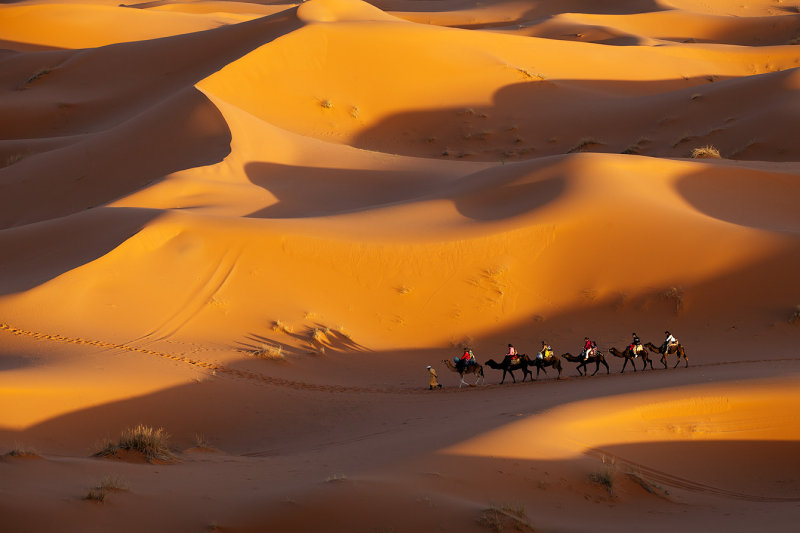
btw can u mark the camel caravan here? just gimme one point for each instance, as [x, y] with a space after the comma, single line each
[467, 365]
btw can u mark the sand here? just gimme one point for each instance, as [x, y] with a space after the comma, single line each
[255, 224]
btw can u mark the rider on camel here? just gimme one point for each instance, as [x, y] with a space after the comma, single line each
[669, 341]
[466, 359]
[512, 353]
[546, 352]
[589, 348]
[636, 345]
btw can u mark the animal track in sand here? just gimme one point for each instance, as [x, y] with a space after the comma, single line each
[301, 385]
[214, 367]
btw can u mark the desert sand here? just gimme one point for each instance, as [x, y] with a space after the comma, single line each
[254, 224]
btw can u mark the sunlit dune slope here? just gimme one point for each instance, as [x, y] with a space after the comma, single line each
[448, 256]
[259, 186]
[752, 412]
[366, 79]
[88, 26]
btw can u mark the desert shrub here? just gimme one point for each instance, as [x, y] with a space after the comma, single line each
[20, 450]
[605, 478]
[795, 319]
[150, 442]
[706, 152]
[107, 484]
[269, 351]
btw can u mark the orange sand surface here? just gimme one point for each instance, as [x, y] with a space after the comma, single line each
[254, 224]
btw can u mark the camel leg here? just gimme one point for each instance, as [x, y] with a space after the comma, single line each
[624, 365]
[677, 362]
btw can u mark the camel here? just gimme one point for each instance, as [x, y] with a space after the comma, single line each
[468, 369]
[541, 364]
[597, 359]
[629, 356]
[508, 367]
[674, 348]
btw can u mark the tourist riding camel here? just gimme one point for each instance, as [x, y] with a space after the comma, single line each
[589, 348]
[636, 346]
[669, 341]
[512, 353]
[467, 358]
[546, 352]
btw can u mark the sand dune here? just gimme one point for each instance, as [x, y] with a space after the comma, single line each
[255, 224]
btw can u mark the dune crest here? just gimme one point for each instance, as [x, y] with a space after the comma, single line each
[341, 11]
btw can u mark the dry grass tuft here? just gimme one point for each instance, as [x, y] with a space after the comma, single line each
[605, 478]
[20, 450]
[107, 484]
[795, 319]
[150, 442]
[280, 327]
[326, 103]
[272, 352]
[319, 335]
[706, 152]
[96, 494]
[335, 478]
[200, 441]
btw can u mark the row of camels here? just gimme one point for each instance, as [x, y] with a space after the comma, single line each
[525, 363]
